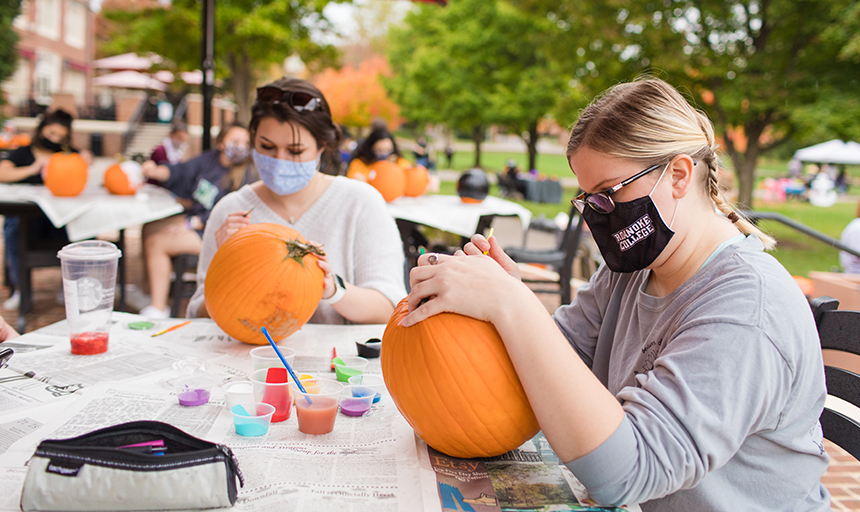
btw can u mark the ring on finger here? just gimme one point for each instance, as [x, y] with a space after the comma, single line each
[433, 259]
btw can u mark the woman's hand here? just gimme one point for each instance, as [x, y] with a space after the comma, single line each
[480, 245]
[329, 286]
[155, 171]
[474, 286]
[234, 222]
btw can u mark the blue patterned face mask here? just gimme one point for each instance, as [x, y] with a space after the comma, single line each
[284, 177]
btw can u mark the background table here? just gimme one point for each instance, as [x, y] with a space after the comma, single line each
[93, 212]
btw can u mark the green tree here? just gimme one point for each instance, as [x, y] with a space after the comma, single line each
[9, 9]
[250, 36]
[755, 66]
[472, 64]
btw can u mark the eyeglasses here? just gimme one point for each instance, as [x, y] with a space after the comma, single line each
[299, 101]
[601, 202]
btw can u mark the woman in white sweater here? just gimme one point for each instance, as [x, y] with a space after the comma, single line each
[292, 133]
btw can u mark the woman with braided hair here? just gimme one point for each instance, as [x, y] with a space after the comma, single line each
[687, 374]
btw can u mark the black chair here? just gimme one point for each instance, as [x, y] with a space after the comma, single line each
[180, 288]
[839, 330]
[561, 258]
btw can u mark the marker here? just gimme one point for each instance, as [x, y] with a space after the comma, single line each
[177, 326]
[333, 356]
[249, 212]
[488, 240]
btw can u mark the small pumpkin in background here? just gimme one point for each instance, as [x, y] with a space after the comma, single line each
[388, 178]
[451, 378]
[66, 174]
[124, 178]
[264, 275]
[417, 179]
[357, 170]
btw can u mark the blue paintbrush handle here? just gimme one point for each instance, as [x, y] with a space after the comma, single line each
[286, 364]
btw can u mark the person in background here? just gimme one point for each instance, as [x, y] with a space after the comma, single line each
[513, 176]
[422, 157]
[851, 238]
[24, 165]
[379, 145]
[347, 146]
[291, 130]
[449, 154]
[687, 374]
[199, 184]
[172, 148]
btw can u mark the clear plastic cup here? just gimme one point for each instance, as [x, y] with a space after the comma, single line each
[356, 400]
[265, 357]
[276, 392]
[89, 281]
[374, 381]
[194, 389]
[351, 366]
[252, 419]
[317, 411]
[238, 392]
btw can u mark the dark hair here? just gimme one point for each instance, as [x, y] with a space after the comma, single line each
[60, 117]
[326, 134]
[225, 130]
[364, 151]
[178, 127]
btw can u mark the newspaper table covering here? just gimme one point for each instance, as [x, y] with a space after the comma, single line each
[372, 463]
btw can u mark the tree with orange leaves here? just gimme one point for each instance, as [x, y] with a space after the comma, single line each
[356, 95]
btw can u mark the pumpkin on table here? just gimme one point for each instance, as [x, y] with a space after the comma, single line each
[66, 174]
[388, 178]
[417, 179]
[451, 378]
[264, 275]
[124, 178]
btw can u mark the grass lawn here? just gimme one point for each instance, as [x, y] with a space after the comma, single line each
[550, 165]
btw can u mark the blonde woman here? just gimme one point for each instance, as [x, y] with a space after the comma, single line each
[687, 374]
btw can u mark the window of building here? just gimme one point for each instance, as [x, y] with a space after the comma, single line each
[75, 24]
[17, 88]
[46, 76]
[22, 21]
[75, 83]
[48, 18]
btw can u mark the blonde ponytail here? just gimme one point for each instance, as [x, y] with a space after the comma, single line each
[743, 224]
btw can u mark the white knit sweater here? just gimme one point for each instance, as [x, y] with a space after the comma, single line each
[350, 219]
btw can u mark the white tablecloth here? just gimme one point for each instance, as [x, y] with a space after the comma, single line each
[451, 214]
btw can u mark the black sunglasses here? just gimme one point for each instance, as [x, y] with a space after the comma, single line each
[601, 202]
[299, 101]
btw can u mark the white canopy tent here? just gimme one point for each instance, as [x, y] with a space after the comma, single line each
[128, 61]
[129, 80]
[831, 152]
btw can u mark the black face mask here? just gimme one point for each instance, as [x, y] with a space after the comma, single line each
[631, 236]
[46, 143]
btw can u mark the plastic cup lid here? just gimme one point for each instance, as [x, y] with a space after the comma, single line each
[90, 250]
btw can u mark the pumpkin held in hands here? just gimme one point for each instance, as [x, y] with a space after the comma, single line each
[451, 378]
[265, 275]
[66, 174]
[124, 178]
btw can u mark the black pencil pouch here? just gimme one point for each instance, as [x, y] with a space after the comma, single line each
[91, 472]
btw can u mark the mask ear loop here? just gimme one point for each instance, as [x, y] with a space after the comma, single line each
[675, 211]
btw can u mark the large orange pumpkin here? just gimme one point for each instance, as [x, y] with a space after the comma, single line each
[264, 275]
[451, 378]
[388, 178]
[124, 178]
[66, 174]
[417, 179]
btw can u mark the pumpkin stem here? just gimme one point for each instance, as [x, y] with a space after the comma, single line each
[297, 250]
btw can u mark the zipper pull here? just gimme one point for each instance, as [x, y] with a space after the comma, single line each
[234, 463]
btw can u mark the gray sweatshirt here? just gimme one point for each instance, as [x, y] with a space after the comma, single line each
[722, 384]
[352, 222]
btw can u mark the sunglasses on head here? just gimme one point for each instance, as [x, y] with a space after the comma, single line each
[299, 101]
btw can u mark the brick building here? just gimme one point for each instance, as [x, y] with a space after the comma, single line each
[55, 51]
